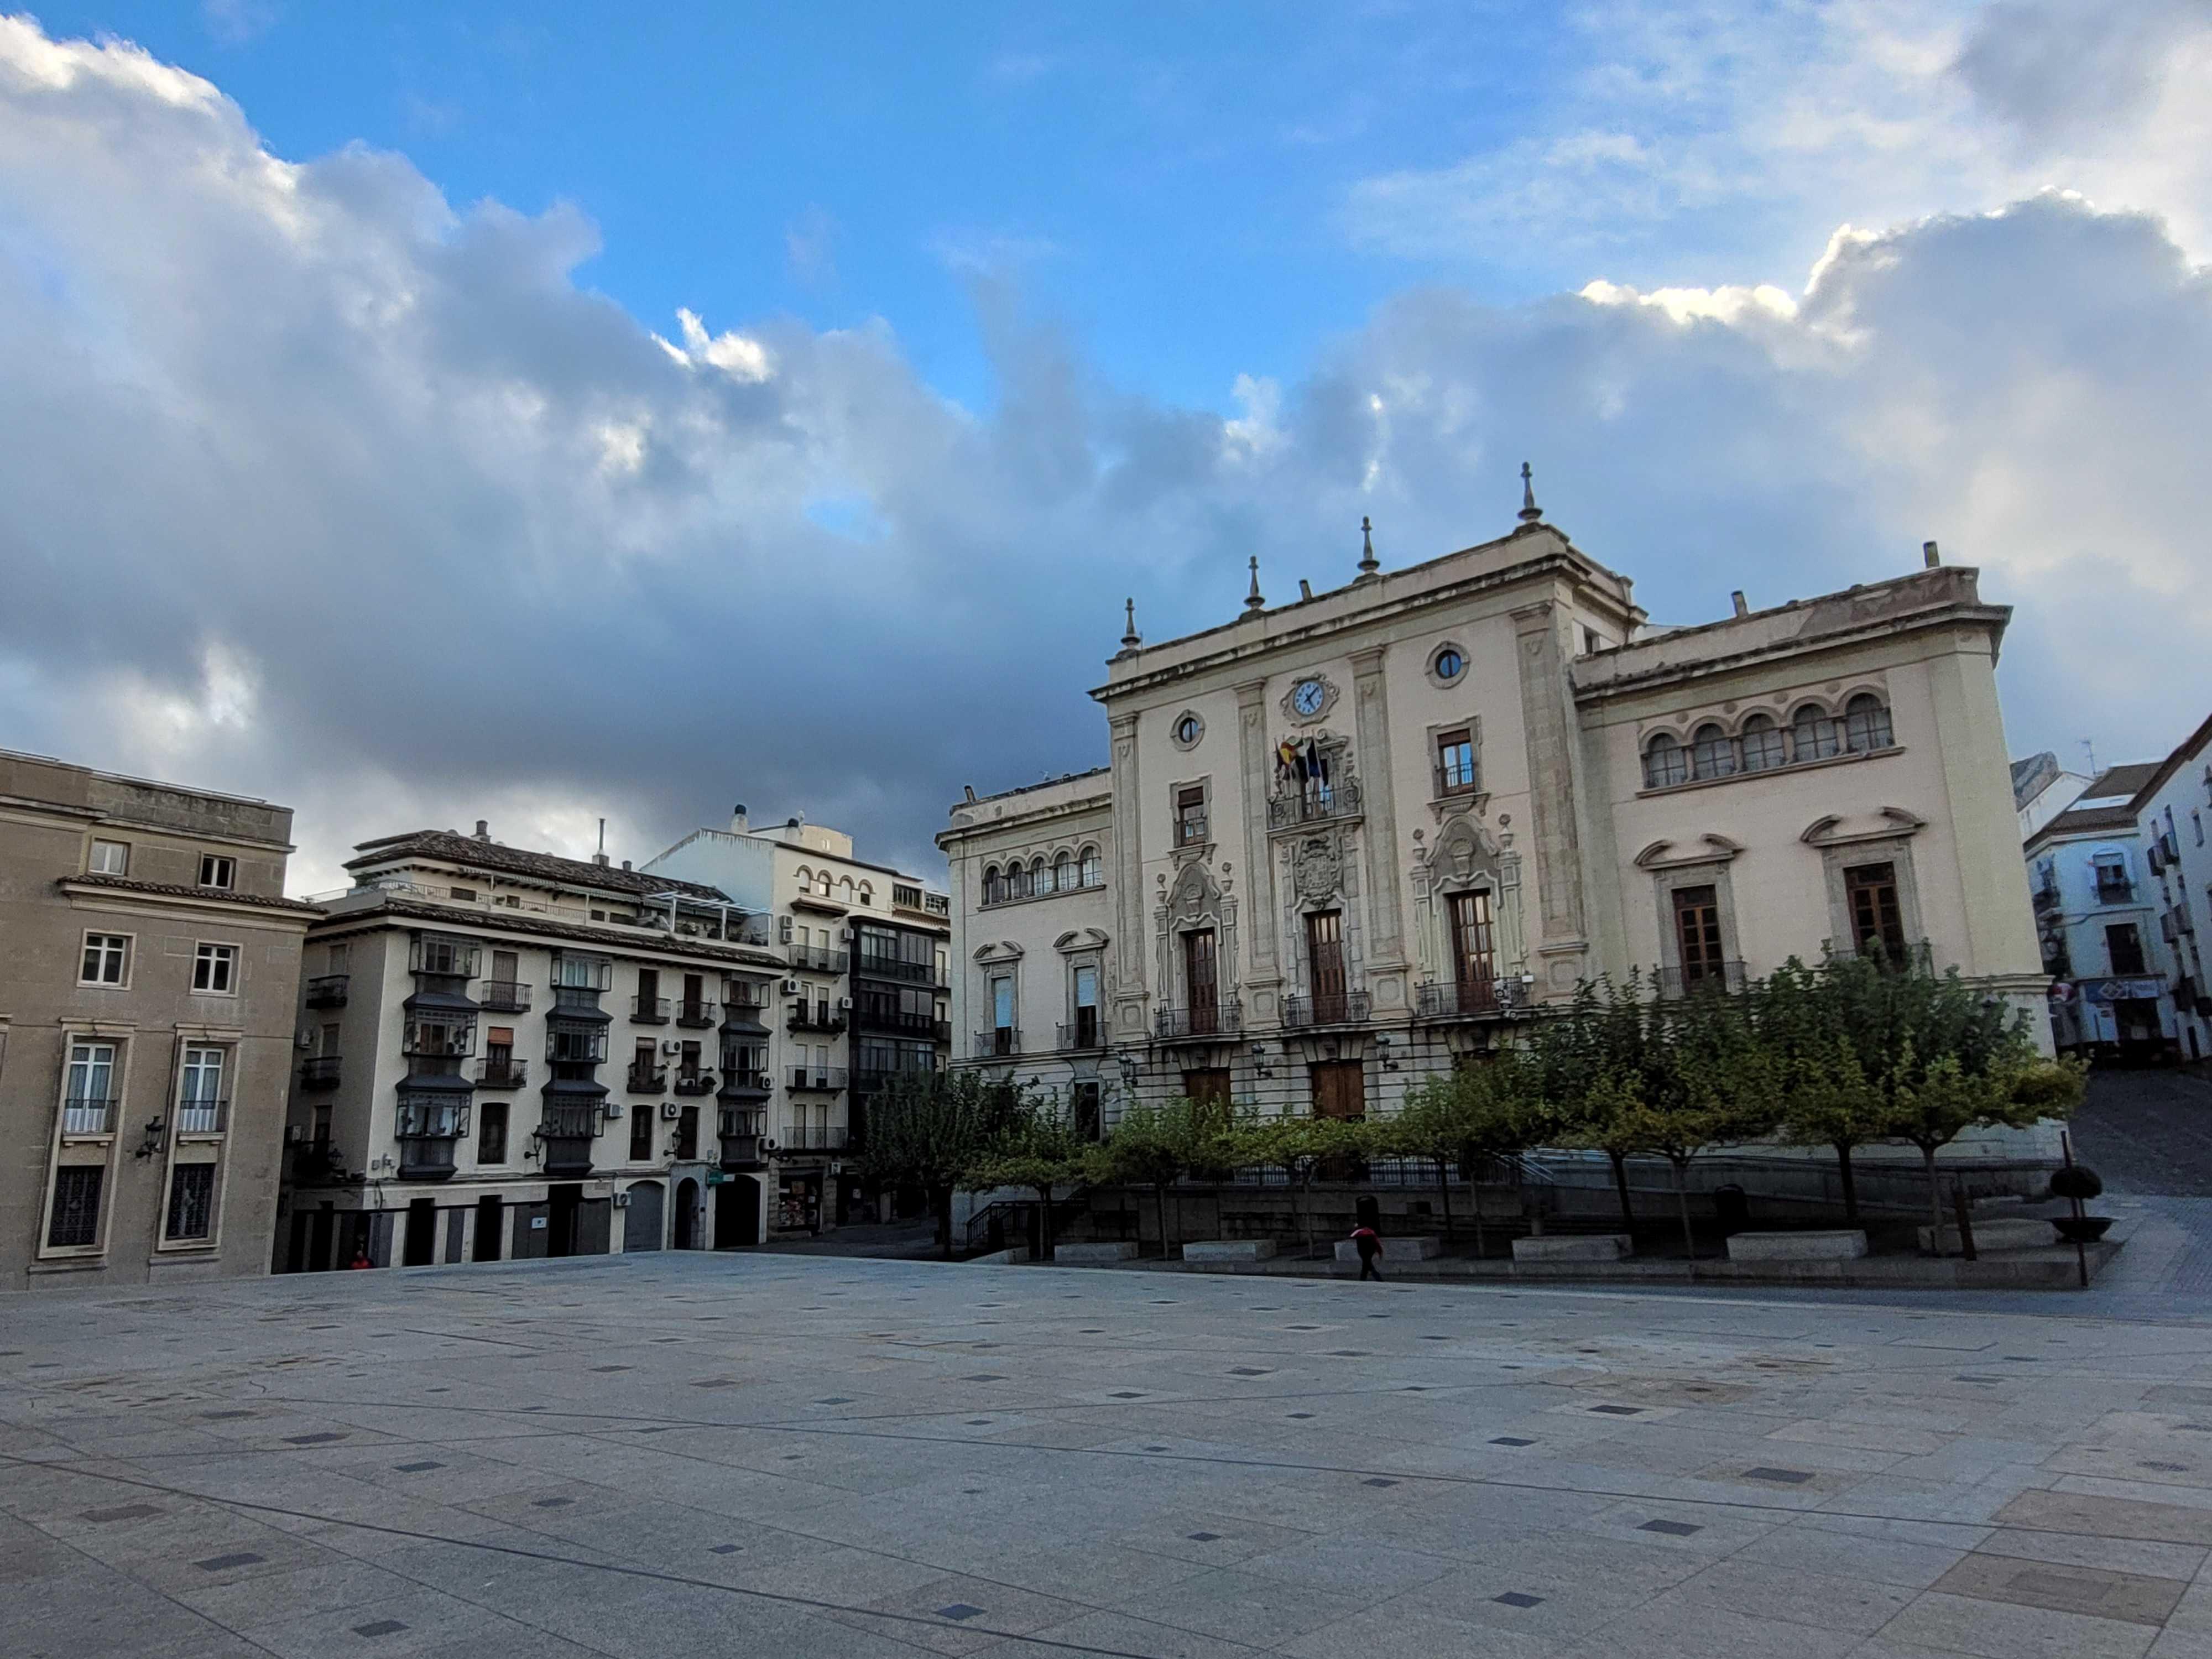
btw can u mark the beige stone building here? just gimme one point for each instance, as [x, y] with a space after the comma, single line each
[147, 982]
[1342, 841]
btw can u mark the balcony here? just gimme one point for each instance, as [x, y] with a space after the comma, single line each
[1086, 1033]
[429, 1122]
[1715, 978]
[88, 1115]
[567, 1130]
[649, 1011]
[1316, 803]
[695, 1083]
[645, 1079]
[1452, 782]
[320, 1071]
[438, 1042]
[578, 1001]
[1203, 1021]
[203, 1117]
[2045, 899]
[1918, 955]
[502, 1074]
[744, 1013]
[816, 1017]
[2116, 892]
[896, 968]
[998, 1042]
[328, 990]
[741, 1082]
[1459, 998]
[815, 1138]
[902, 1022]
[694, 1014]
[504, 996]
[1330, 1008]
[816, 1079]
[817, 958]
[738, 1128]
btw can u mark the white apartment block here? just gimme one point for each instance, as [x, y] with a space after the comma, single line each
[2172, 808]
[1342, 842]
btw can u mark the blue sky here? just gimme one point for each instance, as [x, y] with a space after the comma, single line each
[420, 414]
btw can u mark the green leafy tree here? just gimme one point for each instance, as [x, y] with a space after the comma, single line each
[1156, 1146]
[1486, 1110]
[929, 1129]
[1299, 1147]
[1039, 1149]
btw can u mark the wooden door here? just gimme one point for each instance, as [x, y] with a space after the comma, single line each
[1339, 1089]
[1474, 965]
[1877, 923]
[1202, 976]
[1325, 965]
[1698, 934]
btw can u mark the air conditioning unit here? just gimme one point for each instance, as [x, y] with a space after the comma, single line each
[614, 1108]
[783, 929]
[845, 935]
[671, 1111]
[846, 1004]
[294, 1135]
[688, 927]
[671, 1046]
[792, 987]
[304, 1042]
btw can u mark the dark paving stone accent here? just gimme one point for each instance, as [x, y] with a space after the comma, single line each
[1301, 1417]
[1301, 1328]
[1202, 1537]
[1787, 1477]
[2165, 1468]
[1963, 1378]
[984, 1376]
[378, 1627]
[1377, 1481]
[418, 1468]
[1155, 1448]
[122, 1512]
[224, 1563]
[551, 1502]
[610, 1368]
[1618, 1411]
[1350, 1353]
[1518, 1599]
[1250, 1371]
[1672, 1528]
[1511, 1440]
[1128, 1394]
[835, 1399]
[224, 1417]
[959, 1611]
[310, 1439]
[722, 1549]
[978, 1422]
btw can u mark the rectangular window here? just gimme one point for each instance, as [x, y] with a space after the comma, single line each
[329, 1046]
[76, 1220]
[1002, 1002]
[1877, 922]
[106, 959]
[491, 1131]
[192, 1201]
[88, 1098]
[1339, 1089]
[1325, 966]
[1086, 1006]
[640, 1134]
[215, 871]
[1190, 815]
[1201, 978]
[200, 1093]
[110, 858]
[1698, 934]
[214, 969]
[1211, 1086]
[1456, 761]
[1084, 1111]
[2125, 945]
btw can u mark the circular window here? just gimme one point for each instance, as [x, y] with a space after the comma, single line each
[1448, 664]
[1188, 730]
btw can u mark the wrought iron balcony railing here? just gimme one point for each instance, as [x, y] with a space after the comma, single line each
[504, 996]
[1207, 1019]
[319, 1071]
[1329, 1008]
[694, 1082]
[695, 1012]
[649, 1011]
[998, 1042]
[1714, 978]
[645, 1079]
[203, 1117]
[1457, 999]
[1316, 803]
[503, 1074]
[328, 990]
[88, 1115]
[1088, 1031]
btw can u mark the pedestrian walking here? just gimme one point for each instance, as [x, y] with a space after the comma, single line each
[1369, 1243]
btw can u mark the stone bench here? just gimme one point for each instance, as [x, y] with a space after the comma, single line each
[1229, 1249]
[2021, 1233]
[1421, 1249]
[1797, 1247]
[1587, 1247]
[1084, 1253]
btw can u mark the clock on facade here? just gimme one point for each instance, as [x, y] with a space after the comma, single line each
[1307, 695]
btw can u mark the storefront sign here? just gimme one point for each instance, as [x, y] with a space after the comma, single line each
[2123, 990]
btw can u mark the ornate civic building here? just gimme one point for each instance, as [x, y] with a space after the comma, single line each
[1344, 841]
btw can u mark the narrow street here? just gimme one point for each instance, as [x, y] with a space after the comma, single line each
[2147, 1132]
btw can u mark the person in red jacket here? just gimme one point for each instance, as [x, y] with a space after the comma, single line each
[1368, 1242]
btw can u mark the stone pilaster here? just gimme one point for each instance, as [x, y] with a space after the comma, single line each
[1128, 882]
[1562, 930]
[1255, 765]
[1379, 844]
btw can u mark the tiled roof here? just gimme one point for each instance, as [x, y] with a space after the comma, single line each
[515, 921]
[2121, 782]
[177, 890]
[452, 848]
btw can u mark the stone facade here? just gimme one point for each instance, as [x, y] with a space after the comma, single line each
[1347, 840]
[146, 994]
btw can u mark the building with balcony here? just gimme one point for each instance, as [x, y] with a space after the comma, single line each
[506, 1053]
[863, 992]
[2096, 920]
[1343, 844]
[147, 987]
[2171, 808]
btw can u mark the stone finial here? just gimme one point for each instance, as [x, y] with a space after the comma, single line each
[1530, 512]
[1369, 566]
[1252, 599]
[1130, 638]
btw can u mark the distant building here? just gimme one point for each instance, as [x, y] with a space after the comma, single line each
[1344, 843]
[506, 1054]
[2171, 808]
[147, 981]
[2097, 923]
[864, 996]
[2041, 789]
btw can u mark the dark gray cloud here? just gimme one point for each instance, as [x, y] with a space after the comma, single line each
[2060, 71]
[320, 488]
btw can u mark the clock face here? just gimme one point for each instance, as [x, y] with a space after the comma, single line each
[1306, 696]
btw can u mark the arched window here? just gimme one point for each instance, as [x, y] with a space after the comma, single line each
[1711, 754]
[1094, 870]
[1813, 734]
[995, 885]
[1040, 877]
[1866, 724]
[1761, 745]
[867, 894]
[1063, 873]
[1665, 762]
[826, 884]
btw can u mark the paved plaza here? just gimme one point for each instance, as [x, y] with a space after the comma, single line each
[686, 1454]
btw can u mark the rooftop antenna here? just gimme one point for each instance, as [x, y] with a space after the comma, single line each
[2090, 747]
[1252, 600]
[1530, 512]
[1369, 566]
[603, 835]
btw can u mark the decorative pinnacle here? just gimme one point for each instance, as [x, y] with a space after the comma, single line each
[1130, 638]
[1369, 564]
[1252, 600]
[1530, 512]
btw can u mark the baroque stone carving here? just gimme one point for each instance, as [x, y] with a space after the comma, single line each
[1316, 869]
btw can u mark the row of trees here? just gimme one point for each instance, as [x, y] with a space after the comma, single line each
[1843, 1056]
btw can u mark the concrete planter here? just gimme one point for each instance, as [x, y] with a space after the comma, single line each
[1394, 1249]
[2026, 1233]
[1797, 1247]
[1590, 1247]
[1081, 1254]
[1229, 1249]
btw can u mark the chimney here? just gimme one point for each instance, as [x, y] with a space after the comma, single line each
[601, 860]
[1306, 589]
[1929, 555]
[1736, 599]
[483, 829]
[739, 824]
[625, 864]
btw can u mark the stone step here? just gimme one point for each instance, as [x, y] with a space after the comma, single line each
[1588, 1247]
[1418, 1249]
[1125, 1251]
[1839, 1246]
[1229, 1249]
[2023, 1233]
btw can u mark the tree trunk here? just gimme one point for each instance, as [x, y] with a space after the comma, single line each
[1444, 1191]
[1934, 1200]
[1475, 1197]
[1044, 1224]
[1620, 1186]
[1850, 1183]
[1160, 1195]
[1305, 1207]
[1682, 1202]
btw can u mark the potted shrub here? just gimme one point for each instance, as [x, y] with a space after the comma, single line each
[2074, 1183]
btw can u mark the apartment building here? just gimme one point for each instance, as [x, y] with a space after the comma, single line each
[2171, 808]
[1343, 843]
[506, 1054]
[863, 994]
[2096, 922]
[146, 983]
